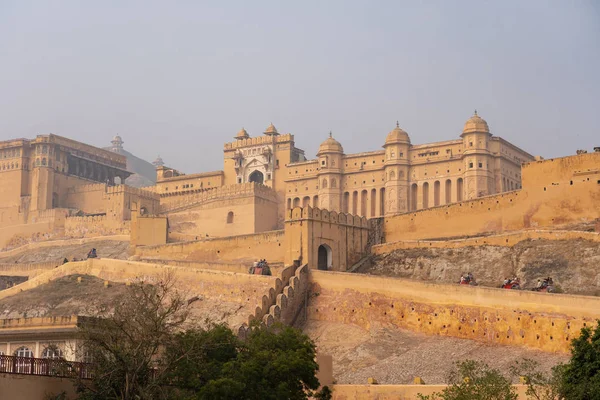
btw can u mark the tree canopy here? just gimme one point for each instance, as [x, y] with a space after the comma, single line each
[146, 348]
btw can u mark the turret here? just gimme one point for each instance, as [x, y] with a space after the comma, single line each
[397, 147]
[478, 162]
[330, 156]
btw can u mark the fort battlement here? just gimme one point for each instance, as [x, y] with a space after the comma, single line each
[124, 189]
[221, 193]
[92, 187]
[259, 140]
[317, 214]
[38, 322]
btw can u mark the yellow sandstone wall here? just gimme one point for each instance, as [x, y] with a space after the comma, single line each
[521, 318]
[395, 392]
[268, 245]
[555, 192]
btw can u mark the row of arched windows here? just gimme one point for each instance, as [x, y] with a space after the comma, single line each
[10, 153]
[333, 183]
[10, 166]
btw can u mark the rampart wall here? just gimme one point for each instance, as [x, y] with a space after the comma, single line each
[226, 286]
[29, 269]
[59, 242]
[555, 192]
[93, 226]
[268, 245]
[508, 317]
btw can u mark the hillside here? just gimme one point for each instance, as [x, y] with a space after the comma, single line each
[66, 296]
[395, 356]
[573, 264]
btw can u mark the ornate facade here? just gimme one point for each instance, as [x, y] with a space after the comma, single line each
[400, 178]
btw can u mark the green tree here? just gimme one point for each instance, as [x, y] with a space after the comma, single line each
[124, 344]
[274, 363]
[540, 385]
[580, 378]
[474, 380]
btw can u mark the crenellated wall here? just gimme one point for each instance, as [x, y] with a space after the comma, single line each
[509, 317]
[268, 245]
[555, 193]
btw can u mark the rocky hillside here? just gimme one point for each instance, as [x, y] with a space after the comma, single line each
[67, 296]
[573, 264]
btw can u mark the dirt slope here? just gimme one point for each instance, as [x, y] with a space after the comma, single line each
[65, 296]
[395, 356]
[573, 264]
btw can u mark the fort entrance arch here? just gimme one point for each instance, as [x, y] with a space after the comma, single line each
[257, 177]
[324, 257]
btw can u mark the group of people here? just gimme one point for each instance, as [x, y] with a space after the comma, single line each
[543, 284]
[260, 268]
[512, 283]
[467, 279]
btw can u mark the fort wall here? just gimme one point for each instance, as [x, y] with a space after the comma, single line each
[555, 192]
[227, 286]
[268, 245]
[29, 269]
[59, 242]
[94, 226]
[519, 318]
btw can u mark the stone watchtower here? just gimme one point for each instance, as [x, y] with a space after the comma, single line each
[330, 174]
[477, 157]
[397, 147]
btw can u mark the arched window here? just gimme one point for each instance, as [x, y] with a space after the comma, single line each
[37, 162]
[333, 183]
[44, 162]
[52, 352]
[324, 185]
[230, 217]
[23, 366]
[392, 175]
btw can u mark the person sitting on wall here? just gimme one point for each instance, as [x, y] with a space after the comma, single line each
[65, 260]
[92, 254]
[539, 284]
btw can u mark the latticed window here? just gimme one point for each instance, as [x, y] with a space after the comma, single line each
[52, 352]
[22, 365]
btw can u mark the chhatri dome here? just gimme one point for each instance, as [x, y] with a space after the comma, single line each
[397, 135]
[330, 146]
[476, 124]
[117, 143]
[271, 130]
[158, 162]
[242, 134]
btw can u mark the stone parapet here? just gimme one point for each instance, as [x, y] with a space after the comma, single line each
[220, 193]
[259, 140]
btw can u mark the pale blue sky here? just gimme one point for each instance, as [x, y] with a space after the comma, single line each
[180, 78]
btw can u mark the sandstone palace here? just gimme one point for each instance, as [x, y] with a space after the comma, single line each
[56, 187]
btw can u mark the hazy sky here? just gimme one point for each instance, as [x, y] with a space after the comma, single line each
[180, 78]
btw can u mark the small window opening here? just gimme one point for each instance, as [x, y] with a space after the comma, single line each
[230, 217]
